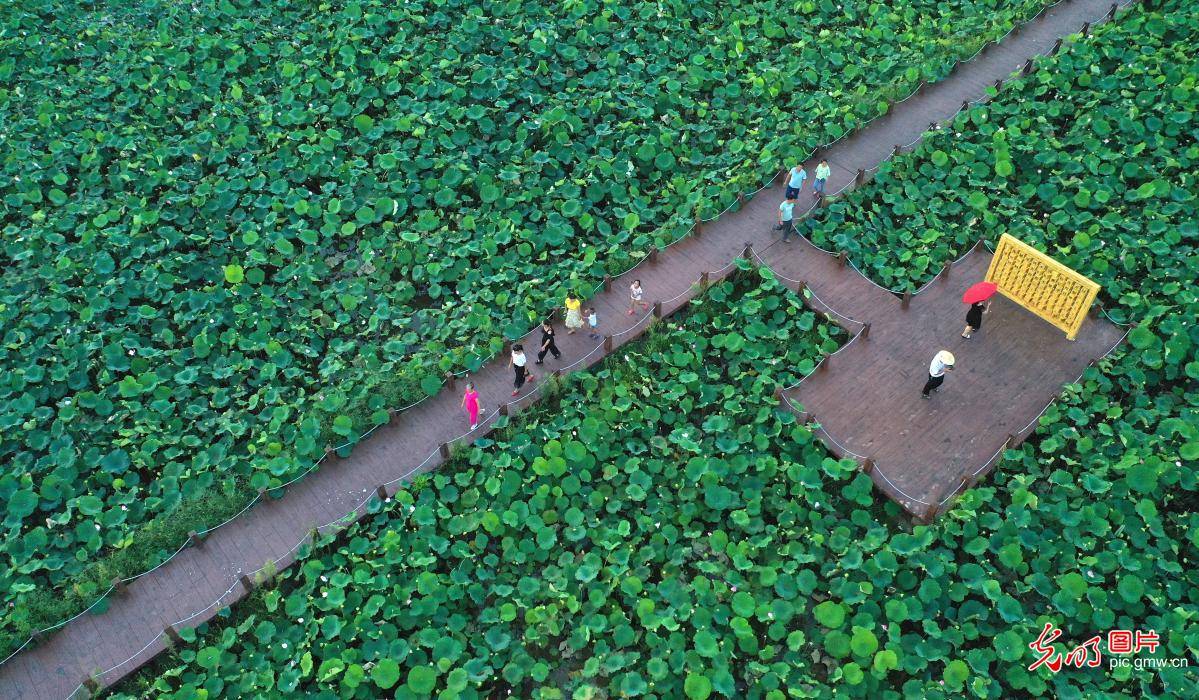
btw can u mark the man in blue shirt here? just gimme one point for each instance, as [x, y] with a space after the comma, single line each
[795, 184]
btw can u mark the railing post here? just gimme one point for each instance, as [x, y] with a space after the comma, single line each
[933, 126]
[842, 257]
[1057, 46]
[1111, 14]
[824, 360]
[246, 582]
[449, 380]
[194, 539]
[703, 279]
[607, 283]
[381, 492]
[653, 255]
[748, 253]
[945, 272]
[657, 309]
[607, 343]
[262, 492]
[444, 449]
[868, 466]
[1028, 66]
[740, 200]
[860, 177]
[118, 585]
[965, 105]
[778, 395]
[699, 223]
[821, 201]
[91, 685]
[504, 409]
[800, 289]
[330, 452]
[1012, 442]
[172, 634]
[998, 85]
[895, 151]
[1096, 310]
[930, 513]
[907, 299]
[1086, 29]
[865, 331]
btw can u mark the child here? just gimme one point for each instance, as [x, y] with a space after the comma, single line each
[592, 323]
[635, 297]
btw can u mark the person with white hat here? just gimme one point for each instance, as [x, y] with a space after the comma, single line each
[942, 363]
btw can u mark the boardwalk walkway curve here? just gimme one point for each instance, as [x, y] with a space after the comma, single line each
[91, 652]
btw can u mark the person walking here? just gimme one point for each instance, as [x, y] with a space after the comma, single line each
[822, 173]
[574, 321]
[974, 318]
[592, 324]
[636, 296]
[942, 363]
[547, 342]
[470, 402]
[517, 362]
[795, 184]
[787, 218]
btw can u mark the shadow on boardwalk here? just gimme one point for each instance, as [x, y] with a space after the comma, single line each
[863, 398]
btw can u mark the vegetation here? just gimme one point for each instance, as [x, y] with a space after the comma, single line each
[666, 532]
[235, 233]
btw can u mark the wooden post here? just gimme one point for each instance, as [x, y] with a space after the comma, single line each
[172, 634]
[444, 449]
[821, 201]
[740, 200]
[381, 492]
[965, 105]
[865, 331]
[748, 253]
[653, 255]
[907, 299]
[1096, 310]
[824, 360]
[607, 283]
[923, 84]
[504, 409]
[118, 585]
[800, 289]
[262, 493]
[1057, 46]
[1111, 14]
[895, 151]
[860, 177]
[556, 374]
[703, 279]
[314, 535]
[963, 484]
[930, 513]
[778, 179]
[449, 380]
[933, 126]
[246, 582]
[91, 685]
[657, 309]
[194, 539]
[607, 343]
[1028, 66]
[699, 223]
[330, 452]
[945, 272]
[1086, 29]
[842, 257]
[778, 394]
[998, 85]
[868, 466]
[1012, 442]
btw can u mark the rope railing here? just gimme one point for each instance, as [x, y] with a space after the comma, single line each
[491, 416]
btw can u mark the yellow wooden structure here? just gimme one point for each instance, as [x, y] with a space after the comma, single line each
[1041, 284]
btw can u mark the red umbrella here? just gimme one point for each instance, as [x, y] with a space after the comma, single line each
[979, 292]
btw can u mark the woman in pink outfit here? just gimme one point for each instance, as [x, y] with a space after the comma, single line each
[470, 401]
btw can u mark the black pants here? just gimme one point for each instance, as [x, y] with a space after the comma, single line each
[787, 227]
[521, 373]
[932, 384]
[552, 349]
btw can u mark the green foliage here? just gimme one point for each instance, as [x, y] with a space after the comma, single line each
[235, 231]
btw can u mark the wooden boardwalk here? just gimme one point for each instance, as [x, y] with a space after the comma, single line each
[864, 399]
